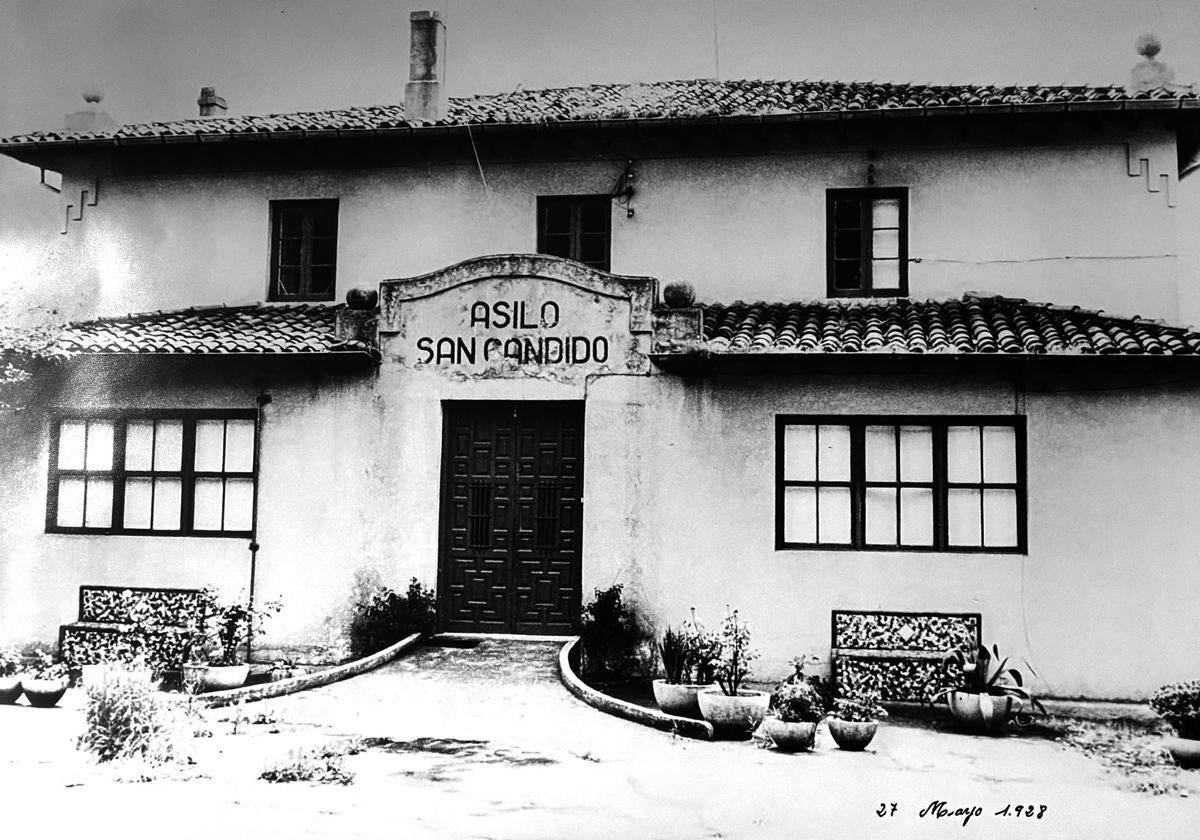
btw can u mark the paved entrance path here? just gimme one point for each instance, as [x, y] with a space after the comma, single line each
[486, 743]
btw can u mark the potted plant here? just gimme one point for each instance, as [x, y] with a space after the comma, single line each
[730, 708]
[688, 659]
[10, 675]
[855, 719]
[45, 681]
[1179, 704]
[797, 707]
[213, 657]
[987, 698]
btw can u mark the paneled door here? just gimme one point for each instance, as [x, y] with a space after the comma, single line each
[511, 517]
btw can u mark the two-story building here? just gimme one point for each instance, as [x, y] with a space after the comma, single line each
[898, 387]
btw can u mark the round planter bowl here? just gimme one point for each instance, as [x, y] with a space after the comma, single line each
[852, 735]
[678, 699]
[10, 689]
[44, 694]
[225, 677]
[738, 715]
[790, 737]
[1185, 751]
[987, 713]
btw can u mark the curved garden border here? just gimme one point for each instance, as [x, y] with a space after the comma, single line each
[265, 691]
[624, 709]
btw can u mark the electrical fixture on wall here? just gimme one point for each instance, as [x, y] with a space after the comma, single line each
[871, 156]
[623, 191]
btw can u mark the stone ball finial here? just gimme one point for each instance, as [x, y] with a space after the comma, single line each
[362, 299]
[92, 95]
[1149, 45]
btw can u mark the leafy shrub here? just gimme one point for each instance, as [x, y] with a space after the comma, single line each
[736, 654]
[127, 718]
[859, 707]
[1179, 704]
[382, 617]
[704, 649]
[613, 633]
[10, 661]
[798, 702]
[315, 764]
[43, 666]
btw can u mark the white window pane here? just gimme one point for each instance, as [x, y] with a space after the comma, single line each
[916, 453]
[137, 502]
[71, 435]
[916, 516]
[168, 498]
[962, 453]
[833, 515]
[70, 503]
[881, 453]
[800, 514]
[964, 513]
[139, 448]
[239, 504]
[210, 445]
[885, 244]
[99, 445]
[833, 457]
[881, 516]
[207, 510]
[1000, 454]
[885, 213]
[99, 502]
[239, 446]
[800, 453]
[885, 275]
[168, 445]
[1000, 518]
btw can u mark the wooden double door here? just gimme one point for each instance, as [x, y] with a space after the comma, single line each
[511, 517]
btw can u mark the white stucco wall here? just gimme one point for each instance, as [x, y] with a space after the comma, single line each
[1062, 221]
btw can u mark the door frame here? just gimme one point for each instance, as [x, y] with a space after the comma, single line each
[444, 500]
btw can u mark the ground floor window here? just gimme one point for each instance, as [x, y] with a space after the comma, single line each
[900, 483]
[153, 473]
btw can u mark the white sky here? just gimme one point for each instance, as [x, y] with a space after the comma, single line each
[152, 56]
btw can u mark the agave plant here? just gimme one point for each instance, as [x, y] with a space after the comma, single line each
[981, 675]
[674, 653]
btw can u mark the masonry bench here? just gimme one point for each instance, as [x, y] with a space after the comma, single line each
[107, 612]
[898, 653]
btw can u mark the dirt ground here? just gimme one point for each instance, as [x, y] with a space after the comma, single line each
[485, 743]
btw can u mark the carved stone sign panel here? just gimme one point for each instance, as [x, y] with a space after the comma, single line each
[518, 316]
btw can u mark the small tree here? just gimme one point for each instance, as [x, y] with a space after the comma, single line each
[736, 654]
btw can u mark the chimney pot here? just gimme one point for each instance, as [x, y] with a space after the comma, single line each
[210, 104]
[425, 95]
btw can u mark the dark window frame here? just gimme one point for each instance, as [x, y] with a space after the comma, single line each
[941, 484]
[308, 209]
[864, 196]
[576, 203]
[119, 474]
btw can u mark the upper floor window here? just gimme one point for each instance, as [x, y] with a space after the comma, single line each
[900, 483]
[303, 249]
[154, 473]
[577, 227]
[867, 231]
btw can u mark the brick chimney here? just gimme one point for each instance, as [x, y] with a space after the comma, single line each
[210, 104]
[425, 93]
[1151, 73]
[91, 118]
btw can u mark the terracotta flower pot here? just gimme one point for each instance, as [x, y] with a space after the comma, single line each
[738, 715]
[678, 698]
[10, 689]
[44, 693]
[790, 736]
[987, 713]
[852, 735]
[1185, 751]
[225, 677]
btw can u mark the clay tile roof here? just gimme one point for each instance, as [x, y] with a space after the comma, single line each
[973, 324]
[684, 99]
[256, 329]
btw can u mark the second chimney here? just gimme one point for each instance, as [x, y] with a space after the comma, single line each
[210, 104]
[425, 94]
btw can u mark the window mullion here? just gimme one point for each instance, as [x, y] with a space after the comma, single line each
[187, 463]
[866, 246]
[118, 478]
[858, 491]
[941, 498]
